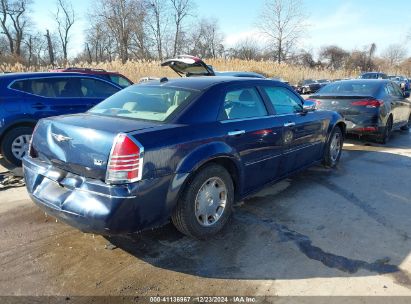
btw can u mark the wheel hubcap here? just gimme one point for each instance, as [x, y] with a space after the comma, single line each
[335, 147]
[210, 201]
[20, 146]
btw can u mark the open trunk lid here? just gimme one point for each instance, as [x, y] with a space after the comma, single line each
[185, 65]
[81, 143]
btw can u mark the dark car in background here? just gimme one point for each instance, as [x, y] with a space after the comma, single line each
[370, 107]
[114, 77]
[27, 97]
[184, 149]
[402, 81]
[323, 82]
[373, 75]
[308, 86]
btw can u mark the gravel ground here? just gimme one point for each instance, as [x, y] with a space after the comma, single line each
[320, 232]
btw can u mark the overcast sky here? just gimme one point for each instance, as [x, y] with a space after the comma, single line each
[346, 23]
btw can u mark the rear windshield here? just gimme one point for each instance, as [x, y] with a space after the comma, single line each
[148, 103]
[374, 76]
[350, 88]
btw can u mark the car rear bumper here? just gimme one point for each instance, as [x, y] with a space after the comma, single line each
[94, 206]
[363, 128]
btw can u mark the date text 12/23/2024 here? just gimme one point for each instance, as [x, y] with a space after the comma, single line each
[203, 299]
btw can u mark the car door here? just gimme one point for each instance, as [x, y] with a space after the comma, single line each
[303, 133]
[79, 94]
[402, 104]
[396, 99]
[39, 95]
[252, 133]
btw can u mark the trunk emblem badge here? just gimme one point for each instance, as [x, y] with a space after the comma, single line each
[60, 138]
[98, 162]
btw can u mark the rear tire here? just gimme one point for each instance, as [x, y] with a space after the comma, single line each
[333, 148]
[14, 145]
[205, 204]
[386, 133]
[407, 126]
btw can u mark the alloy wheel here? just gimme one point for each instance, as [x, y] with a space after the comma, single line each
[335, 147]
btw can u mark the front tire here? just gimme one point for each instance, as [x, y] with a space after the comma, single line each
[205, 204]
[14, 145]
[333, 148]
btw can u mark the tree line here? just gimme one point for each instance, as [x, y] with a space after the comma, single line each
[157, 29]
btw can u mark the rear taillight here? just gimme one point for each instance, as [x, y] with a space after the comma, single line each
[369, 103]
[125, 164]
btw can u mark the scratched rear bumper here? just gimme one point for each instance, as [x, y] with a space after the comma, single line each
[94, 206]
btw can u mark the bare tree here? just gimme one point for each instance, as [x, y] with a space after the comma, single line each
[394, 54]
[120, 18]
[50, 48]
[182, 9]
[65, 19]
[13, 22]
[282, 23]
[371, 51]
[157, 22]
[207, 39]
[34, 47]
[334, 56]
[246, 49]
[304, 58]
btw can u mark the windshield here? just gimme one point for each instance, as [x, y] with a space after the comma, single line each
[350, 88]
[148, 103]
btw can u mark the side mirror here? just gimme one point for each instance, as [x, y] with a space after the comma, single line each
[406, 94]
[309, 106]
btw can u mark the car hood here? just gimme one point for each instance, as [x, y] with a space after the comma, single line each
[186, 65]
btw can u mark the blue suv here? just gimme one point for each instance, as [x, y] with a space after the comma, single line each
[27, 97]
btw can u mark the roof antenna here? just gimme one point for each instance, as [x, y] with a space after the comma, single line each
[164, 79]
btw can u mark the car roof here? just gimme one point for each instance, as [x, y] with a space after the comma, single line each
[21, 75]
[360, 81]
[86, 71]
[203, 82]
[239, 73]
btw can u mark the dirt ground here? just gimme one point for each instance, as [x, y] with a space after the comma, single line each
[321, 232]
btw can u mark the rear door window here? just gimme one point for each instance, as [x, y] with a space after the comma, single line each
[283, 100]
[94, 88]
[41, 87]
[394, 90]
[243, 103]
[65, 87]
[121, 81]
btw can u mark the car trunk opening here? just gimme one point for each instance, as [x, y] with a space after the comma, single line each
[188, 66]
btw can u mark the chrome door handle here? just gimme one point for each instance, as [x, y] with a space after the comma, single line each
[236, 133]
[289, 124]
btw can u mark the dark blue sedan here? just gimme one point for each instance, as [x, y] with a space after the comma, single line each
[27, 97]
[184, 149]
